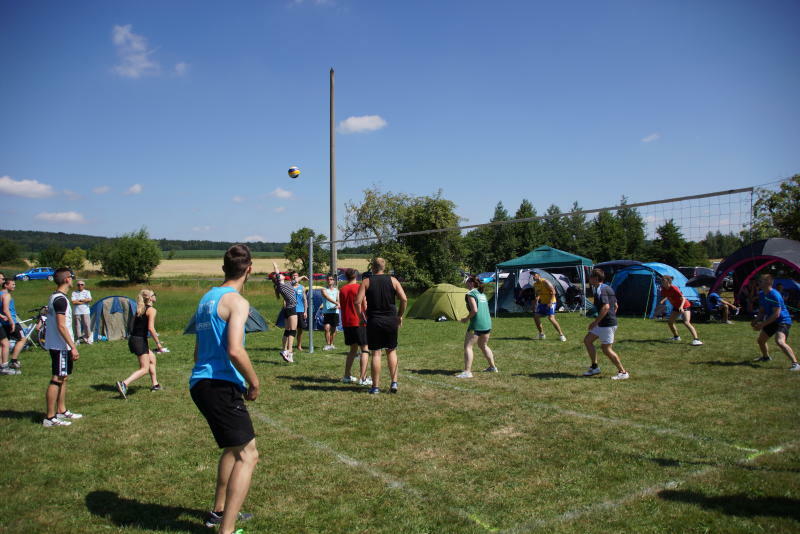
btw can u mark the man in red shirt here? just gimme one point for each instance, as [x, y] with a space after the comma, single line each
[679, 306]
[355, 332]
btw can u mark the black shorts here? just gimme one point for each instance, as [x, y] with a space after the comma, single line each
[288, 312]
[331, 319]
[773, 328]
[222, 404]
[3, 333]
[302, 322]
[16, 334]
[355, 335]
[482, 332]
[138, 345]
[382, 332]
[61, 362]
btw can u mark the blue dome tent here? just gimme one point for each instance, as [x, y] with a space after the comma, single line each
[637, 288]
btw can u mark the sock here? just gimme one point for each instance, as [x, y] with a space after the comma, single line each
[594, 366]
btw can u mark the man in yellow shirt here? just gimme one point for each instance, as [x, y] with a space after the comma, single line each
[545, 305]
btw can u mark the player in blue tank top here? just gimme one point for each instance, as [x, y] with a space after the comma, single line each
[222, 378]
[773, 320]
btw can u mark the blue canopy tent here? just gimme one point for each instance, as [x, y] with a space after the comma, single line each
[637, 288]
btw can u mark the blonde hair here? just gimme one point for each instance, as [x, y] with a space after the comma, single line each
[144, 297]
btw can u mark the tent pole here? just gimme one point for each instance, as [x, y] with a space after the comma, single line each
[496, 288]
[310, 295]
[583, 287]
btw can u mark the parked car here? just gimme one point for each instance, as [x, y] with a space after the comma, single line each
[691, 272]
[36, 273]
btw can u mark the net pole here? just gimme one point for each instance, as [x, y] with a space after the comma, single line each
[310, 295]
[583, 288]
[496, 288]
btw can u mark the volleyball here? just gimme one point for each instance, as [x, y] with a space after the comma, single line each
[294, 172]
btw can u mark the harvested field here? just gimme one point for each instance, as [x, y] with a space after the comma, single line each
[213, 267]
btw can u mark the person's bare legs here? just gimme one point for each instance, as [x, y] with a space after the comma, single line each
[61, 399]
[613, 356]
[4, 348]
[234, 474]
[391, 355]
[348, 364]
[376, 368]
[725, 314]
[762, 340]
[151, 368]
[469, 340]
[53, 395]
[552, 319]
[299, 339]
[538, 322]
[144, 368]
[328, 336]
[780, 340]
[588, 341]
[483, 344]
[687, 321]
[363, 362]
[671, 323]
[288, 341]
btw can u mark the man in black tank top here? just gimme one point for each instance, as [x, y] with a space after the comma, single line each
[383, 319]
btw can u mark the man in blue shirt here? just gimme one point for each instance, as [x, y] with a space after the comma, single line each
[773, 319]
[714, 302]
[222, 378]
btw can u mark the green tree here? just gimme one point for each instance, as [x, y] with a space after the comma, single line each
[718, 245]
[134, 256]
[75, 259]
[297, 251]
[554, 230]
[633, 231]
[99, 252]
[528, 235]
[52, 256]
[577, 237]
[671, 248]
[9, 250]
[777, 213]
[608, 237]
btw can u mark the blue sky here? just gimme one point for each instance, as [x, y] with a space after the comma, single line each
[184, 116]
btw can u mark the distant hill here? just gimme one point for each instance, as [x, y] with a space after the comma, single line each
[32, 241]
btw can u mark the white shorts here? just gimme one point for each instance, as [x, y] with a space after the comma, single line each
[604, 333]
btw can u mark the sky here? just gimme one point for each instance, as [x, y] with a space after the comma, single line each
[184, 116]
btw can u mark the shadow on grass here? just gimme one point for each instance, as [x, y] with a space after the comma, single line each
[35, 417]
[672, 462]
[343, 388]
[445, 372]
[721, 363]
[105, 387]
[547, 376]
[739, 504]
[518, 338]
[312, 379]
[112, 388]
[269, 362]
[147, 516]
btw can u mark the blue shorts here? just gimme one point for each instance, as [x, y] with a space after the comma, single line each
[546, 309]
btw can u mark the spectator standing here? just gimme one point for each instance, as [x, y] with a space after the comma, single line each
[81, 299]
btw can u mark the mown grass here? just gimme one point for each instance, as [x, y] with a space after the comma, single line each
[688, 444]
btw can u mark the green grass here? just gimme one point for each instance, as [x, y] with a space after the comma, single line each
[686, 445]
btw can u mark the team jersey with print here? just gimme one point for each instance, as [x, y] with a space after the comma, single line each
[482, 321]
[58, 305]
[770, 301]
[299, 291]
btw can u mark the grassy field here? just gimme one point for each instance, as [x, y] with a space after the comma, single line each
[698, 440]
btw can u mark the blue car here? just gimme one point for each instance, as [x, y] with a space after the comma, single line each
[36, 273]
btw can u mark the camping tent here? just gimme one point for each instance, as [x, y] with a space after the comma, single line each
[112, 317]
[546, 258]
[440, 300]
[255, 323]
[748, 261]
[516, 296]
[637, 288]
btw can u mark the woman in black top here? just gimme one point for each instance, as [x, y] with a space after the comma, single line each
[283, 288]
[144, 322]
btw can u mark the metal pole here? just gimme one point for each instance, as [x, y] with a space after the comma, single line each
[310, 295]
[333, 182]
[583, 287]
[496, 288]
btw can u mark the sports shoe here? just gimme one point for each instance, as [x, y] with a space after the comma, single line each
[123, 389]
[9, 371]
[676, 338]
[55, 421]
[287, 356]
[728, 322]
[366, 382]
[795, 367]
[621, 376]
[333, 347]
[492, 369]
[592, 371]
[14, 364]
[464, 374]
[374, 390]
[696, 343]
[68, 415]
[326, 347]
[213, 519]
[393, 387]
[542, 336]
[157, 387]
[349, 380]
[562, 338]
[763, 359]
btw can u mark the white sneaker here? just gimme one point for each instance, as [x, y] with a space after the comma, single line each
[349, 380]
[326, 347]
[795, 367]
[592, 371]
[676, 338]
[68, 415]
[542, 336]
[55, 421]
[333, 347]
[366, 382]
[464, 374]
[562, 338]
[696, 343]
[621, 376]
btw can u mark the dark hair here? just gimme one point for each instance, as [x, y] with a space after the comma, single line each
[291, 273]
[476, 282]
[61, 275]
[6, 281]
[598, 274]
[668, 278]
[236, 261]
[350, 274]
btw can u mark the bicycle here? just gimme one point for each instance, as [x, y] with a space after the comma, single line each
[33, 329]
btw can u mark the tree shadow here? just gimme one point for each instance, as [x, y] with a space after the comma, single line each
[147, 516]
[509, 338]
[269, 362]
[342, 388]
[547, 376]
[739, 504]
[721, 363]
[445, 372]
[34, 417]
[312, 379]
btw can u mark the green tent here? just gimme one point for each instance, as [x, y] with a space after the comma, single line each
[440, 300]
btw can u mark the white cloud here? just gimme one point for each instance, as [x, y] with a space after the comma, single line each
[364, 123]
[655, 136]
[135, 189]
[281, 193]
[238, 199]
[61, 217]
[256, 237]
[72, 195]
[25, 188]
[279, 209]
[181, 68]
[103, 189]
[201, 228]
[134, 53]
